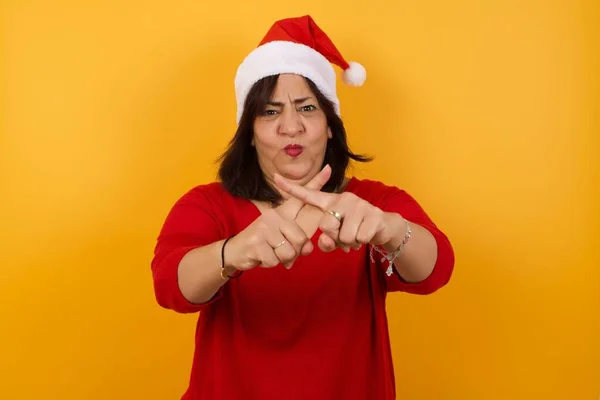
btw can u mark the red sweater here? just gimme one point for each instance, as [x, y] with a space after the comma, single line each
[316, 331]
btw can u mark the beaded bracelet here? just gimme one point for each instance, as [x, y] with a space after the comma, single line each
[224, 273]
[392, 256]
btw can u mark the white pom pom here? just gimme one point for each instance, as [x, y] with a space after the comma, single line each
[355, 75]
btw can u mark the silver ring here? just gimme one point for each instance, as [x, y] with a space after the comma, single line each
[280, 244]
[336, 215]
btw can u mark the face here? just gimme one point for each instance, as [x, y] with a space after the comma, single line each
[291, 136]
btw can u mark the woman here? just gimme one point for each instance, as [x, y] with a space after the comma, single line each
[288, 260]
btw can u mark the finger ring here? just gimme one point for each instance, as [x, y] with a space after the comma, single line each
[280, 244]
[337, 215]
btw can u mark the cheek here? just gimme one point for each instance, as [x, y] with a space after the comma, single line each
[264, 143]
[319, 132]
[319, 142]
[264, 149]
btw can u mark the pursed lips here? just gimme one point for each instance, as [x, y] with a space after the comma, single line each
[293, 150]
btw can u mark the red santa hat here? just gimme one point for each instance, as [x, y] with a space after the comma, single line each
[296, 45]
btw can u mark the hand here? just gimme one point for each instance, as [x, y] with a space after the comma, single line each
[360, 221]
[274, 237]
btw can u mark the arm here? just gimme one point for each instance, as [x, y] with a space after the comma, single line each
[415, 262]
[186, 262]
[200, 285]
[426, 262]
[186, 266]
[418, 257]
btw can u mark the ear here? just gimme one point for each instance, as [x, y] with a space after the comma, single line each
[329, 134]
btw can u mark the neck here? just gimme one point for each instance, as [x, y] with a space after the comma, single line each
[271, 182]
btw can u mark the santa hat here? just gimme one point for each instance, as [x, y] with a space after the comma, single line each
[296, 45]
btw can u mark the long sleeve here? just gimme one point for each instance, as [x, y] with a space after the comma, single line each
[392, 199]
[191, 223]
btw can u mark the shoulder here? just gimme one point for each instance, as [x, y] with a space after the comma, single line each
[204, 206]
[385, 196]
[372, 189]
[212, 197]
[204, 191]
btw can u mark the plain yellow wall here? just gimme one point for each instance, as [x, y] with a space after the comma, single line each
[487, 112]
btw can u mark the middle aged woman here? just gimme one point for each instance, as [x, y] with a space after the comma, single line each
[288, 259]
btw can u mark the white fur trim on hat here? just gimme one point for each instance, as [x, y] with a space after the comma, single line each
[279, 57]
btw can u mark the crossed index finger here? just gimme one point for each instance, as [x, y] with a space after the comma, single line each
[319, 199]
[291, 208]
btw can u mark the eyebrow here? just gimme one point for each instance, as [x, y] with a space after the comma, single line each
[296, 101]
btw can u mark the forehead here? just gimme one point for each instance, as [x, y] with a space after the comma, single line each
[291, 85]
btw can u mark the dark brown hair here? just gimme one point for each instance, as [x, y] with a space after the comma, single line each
[240, 172]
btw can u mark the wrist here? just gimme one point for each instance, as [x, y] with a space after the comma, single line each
[400, 231]
[230, 272]
[395, 231]
[228, 268]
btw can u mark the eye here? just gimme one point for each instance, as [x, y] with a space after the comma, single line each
[309, 107]
[270, 112]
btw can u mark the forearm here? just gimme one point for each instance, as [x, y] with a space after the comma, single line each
[199, 273]
[416, 260]
[418, 257]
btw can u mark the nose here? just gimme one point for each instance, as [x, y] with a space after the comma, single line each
[291, 123]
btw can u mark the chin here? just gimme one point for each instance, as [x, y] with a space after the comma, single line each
[297, 173]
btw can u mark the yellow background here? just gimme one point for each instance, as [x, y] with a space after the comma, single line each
[487, 112]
